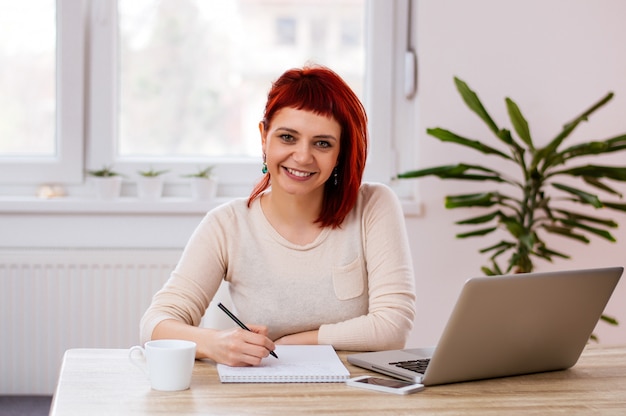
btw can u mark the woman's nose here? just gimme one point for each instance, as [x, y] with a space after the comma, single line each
[302, 153]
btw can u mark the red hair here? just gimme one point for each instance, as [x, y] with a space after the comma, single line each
[322, 91]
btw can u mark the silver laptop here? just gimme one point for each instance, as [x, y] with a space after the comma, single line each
[507, 325]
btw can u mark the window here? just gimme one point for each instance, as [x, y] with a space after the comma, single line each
[180, 84]
[41, 128]
[190, 84]
[27, 50]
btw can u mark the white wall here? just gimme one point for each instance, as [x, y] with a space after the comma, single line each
[554, 58]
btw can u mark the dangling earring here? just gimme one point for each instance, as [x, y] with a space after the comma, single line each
[335, 176]
[264, 169]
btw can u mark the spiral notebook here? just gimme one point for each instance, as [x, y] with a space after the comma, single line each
[295, 364]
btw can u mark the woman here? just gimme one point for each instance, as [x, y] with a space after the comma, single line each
[313, 256]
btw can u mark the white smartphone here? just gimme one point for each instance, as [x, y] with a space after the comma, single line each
[384, 384]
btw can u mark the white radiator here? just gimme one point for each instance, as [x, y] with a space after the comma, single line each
[53, 300]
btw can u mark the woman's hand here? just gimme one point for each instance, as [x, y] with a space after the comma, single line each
[235, 347]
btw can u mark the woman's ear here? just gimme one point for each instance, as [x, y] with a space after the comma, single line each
[263, 134]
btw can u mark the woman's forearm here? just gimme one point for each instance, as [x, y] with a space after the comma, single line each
[301, 338]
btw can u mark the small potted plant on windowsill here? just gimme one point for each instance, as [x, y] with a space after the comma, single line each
[203, 184]
[150, 184]
[107, 182]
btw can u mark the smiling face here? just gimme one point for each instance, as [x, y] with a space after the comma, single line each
[301, 149]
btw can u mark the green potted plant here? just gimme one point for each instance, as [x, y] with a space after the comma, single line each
[538, 200]
[150, 184]
[107, 182]
[203, 184]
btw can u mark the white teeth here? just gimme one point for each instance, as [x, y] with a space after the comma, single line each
[299, 173]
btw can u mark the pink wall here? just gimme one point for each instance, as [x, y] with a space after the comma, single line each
[554, 59]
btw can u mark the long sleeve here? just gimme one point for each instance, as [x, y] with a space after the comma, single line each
[390, 281]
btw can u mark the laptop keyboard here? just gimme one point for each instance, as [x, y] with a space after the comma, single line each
[419, 366]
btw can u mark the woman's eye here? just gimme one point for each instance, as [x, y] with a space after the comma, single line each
[323, 144]
[286, 137]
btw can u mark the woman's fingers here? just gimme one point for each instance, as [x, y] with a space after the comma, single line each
[239, 347]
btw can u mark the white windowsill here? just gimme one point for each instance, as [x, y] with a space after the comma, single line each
[122, 205]
[130, 205]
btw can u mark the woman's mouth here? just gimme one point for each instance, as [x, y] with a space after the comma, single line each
[298, 173]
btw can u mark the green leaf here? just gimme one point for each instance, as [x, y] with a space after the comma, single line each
[498, 253]
[487, 271]
[448, 136]
[201, 173]
[471, 200]
[602, 233]
[617, 173]
[550, 150]
[440, 171]
[583, 149]
[612, 205]
[597, 184]
[151, 173]
[582, 195]
[582, 217]
[501, 245]
[519, 123]
[609, 320]
[544, 256]
[480, 219]
[460, 171]
[105, 172]
[614, 144]
[477, 233]
[473, 102]
[617, 141]
[566, 232]
[551, 253]
[540, 251]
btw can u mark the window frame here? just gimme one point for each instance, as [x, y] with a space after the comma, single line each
[67, 165]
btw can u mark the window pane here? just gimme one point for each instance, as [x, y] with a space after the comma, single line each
[194, 74]
[27, 78]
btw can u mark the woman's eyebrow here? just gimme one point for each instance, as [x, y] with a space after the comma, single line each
[317, 136]
[325, 136]
[287, 129]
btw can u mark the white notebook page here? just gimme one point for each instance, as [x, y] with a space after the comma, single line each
[295, 364]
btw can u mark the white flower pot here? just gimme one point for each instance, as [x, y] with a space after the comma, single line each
[203, 189]
[150, 187]
[107, 188]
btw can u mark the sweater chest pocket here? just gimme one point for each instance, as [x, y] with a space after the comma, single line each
[348, 280]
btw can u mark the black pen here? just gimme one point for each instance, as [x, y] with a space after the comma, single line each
[241, 324]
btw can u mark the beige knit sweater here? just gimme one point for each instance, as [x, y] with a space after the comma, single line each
[355, 283]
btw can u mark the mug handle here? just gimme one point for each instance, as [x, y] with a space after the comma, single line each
[134, 361]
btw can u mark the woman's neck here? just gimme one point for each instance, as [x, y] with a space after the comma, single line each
[293, 216]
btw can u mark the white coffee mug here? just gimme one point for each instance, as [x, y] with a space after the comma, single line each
[168, 363]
